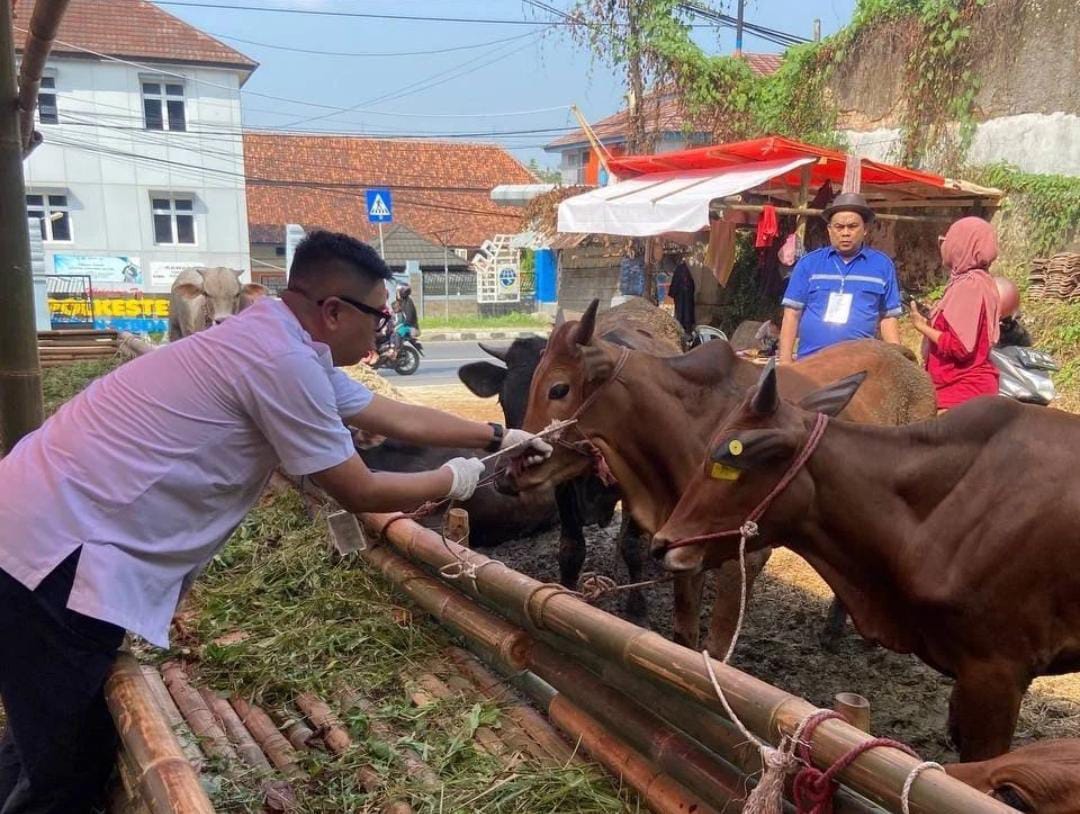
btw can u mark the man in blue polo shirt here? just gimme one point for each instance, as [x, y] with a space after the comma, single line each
[842, 291]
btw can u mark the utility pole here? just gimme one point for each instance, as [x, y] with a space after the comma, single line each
[21, 408]
[817, 30]
[739, 28]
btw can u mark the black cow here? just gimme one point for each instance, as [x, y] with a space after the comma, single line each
[493, 517]
[581, 502]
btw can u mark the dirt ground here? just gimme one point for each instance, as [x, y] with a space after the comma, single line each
[779, 643]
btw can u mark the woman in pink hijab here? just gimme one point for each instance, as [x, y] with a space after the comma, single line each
[964, 326]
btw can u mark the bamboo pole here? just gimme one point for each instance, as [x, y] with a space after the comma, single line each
[21, 401]
[486, 738]
[200, 718]
[335, 737]
[661, 793]
[790, 210]
[299, 735]
[415, 767]
[164, 778]
[457, 526]
[173, 718]
[40, 34]
[553, 749]
[241, 739]
[769, 712]
[269, 737]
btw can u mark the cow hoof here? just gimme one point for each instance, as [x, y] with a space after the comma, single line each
[830, 641]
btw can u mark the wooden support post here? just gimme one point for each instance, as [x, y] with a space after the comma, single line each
[457, 527]
[21, 401]
[801, 203]
[854, 709]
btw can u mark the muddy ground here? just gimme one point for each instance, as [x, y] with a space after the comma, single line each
[779, 643]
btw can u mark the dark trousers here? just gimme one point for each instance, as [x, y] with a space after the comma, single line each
[60, 744]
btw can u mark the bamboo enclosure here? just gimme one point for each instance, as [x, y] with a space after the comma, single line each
[563, 619]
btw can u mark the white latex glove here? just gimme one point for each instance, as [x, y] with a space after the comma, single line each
[467, 473]
[537, 451]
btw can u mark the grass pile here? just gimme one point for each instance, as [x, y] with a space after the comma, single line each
[273, 617]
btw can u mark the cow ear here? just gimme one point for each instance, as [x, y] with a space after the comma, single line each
[767, 396]
[238, 272]
[254, 290]
[587, 326]
[482, 378]
[833, 398]
[498, 353]
[188, 291]
[597, 363]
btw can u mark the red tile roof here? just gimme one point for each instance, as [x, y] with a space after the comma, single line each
[133, 29]
[319, 181]
[665, 116]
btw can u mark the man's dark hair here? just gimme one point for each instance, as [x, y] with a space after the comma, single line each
[321, 247]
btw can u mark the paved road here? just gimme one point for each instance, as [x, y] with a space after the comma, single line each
[439, 364]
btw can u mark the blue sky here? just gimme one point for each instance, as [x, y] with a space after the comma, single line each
[524, 68]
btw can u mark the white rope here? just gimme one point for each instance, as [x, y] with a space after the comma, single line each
[905, 795]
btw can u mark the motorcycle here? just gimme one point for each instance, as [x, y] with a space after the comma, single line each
[705, 333]
[1023, 372]
[399, 351]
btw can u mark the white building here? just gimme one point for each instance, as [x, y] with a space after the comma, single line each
[141, 171]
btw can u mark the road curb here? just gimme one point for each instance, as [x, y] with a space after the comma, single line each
[479, 336]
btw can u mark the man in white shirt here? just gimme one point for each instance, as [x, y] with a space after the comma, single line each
[113, 506]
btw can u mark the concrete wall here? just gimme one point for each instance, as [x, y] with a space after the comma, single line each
[1027, 110]
[109, 165]
[586, 273]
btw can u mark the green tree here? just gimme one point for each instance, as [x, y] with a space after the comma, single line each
[548, 175]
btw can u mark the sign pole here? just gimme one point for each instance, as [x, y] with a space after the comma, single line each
[446, 279]
[382, 251]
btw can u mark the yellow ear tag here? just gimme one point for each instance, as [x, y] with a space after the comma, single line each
[723, 472]
[735, 446]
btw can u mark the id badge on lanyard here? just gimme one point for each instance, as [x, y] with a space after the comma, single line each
[838, 308]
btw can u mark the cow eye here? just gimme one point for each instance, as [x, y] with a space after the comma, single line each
[558, 391]
[1010, 796]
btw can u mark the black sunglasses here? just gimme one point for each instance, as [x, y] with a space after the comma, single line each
[383, 314]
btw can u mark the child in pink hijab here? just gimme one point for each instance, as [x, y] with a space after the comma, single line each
[963, 327]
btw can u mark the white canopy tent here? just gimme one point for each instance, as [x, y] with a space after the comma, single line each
[656, 203]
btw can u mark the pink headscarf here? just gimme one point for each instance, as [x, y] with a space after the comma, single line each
[969, 248]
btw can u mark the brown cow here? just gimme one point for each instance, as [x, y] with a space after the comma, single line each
[924, 532]
[652, 424]
[1041, 777]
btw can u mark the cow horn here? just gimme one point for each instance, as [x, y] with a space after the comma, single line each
[560, 318]
[498, 353]
[584, 333]
[767, 397]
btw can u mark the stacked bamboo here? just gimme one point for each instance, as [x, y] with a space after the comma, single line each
[1057, 277]
[643, 706]
[65, 347]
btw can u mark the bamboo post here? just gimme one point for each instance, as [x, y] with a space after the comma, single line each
[164, 777]
[202, 721]
[335, 737]
[21, 403]
[771, 713]
[457, 526]
[173, 717]
[661, 793]
[801, 204]
[854, 709]
[266, 734]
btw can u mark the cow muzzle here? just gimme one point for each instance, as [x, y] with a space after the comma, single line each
[681, 559]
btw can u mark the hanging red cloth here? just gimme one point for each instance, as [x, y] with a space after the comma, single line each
[767, 227]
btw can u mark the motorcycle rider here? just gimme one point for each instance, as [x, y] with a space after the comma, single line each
[406, 309]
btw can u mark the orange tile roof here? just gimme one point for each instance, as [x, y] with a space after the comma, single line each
[663, 115]
[133, 29]
[440, 190]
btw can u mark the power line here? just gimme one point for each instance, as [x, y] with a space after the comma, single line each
[379, 54]
[355, 14]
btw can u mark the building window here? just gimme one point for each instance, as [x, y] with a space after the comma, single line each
[46, 103]
[163, 106]
[54, 215]
[174, 220]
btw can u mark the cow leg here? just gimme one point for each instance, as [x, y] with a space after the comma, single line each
[686, 624]
[571, 539]
[637, 608]
[725, 612]
[983, 709]
[834, 626]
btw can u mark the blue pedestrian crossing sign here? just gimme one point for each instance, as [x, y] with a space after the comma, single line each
[380, 206]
